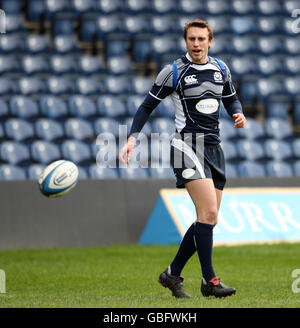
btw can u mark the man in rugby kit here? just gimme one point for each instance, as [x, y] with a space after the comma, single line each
[197, 83]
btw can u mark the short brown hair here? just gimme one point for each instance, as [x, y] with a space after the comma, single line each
[198, 23]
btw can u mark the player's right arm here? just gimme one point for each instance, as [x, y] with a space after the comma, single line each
[161, 88]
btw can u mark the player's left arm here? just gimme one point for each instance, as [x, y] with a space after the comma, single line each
[231, 102]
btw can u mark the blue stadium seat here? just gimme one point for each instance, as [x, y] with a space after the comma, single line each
[14, 23]
[11, 43]
[119, 65]
[116, 48]
[279, 169]
[133, 102]
[34, 65]
[250, 150]
[242, 7]
[83, 6]
[53, 107]
[278, 109]
[88, 27]
[288, 24]
[117, 85]
[219, 24]
[4, 112]
[87, 86]
[227, 130]
[160, 46]
[82, 173]
[82, 106]
[141, 85]
[268, 66]
[49, 129]
[108, 7]
[63, 25]
[278, 150]
[248, 92]
[78, 128]
[90, 65]
[296, 168]
[30, 86]
[230, 151]
[2, 134]
[243, 45]
[291, 86]
[291, 46]
[76, 151]
[163, 7]
[7, 86]
[37, 44]
[8, 65]
[141, 50]
[242, 25]
[14, 152]
[161, 173]
[11, 6]
[110, 106]
[133, 173]
[136, 27]
[23, 107]
[267, 87]
[96, 172]
[296, 113]
[216, 7]
[241, 66]
[292, 65]
[160, 25]
[64, 44]
[12, 172]
[163, 124]
[295, 144]
[45, 152]
[277, 128]
[19, 129]
[231, 170]
[289, 5]
[266, 7]
[165, 109]
[35, 10]
[107, 25]
[268, 25]
[136, 6]
[220, 47]
[249, 169]
[189, 7]
[106, 125]
[62, 64]
[54, 7]
[34, 171]
[58, 85]
[268, 45]
[252, 131]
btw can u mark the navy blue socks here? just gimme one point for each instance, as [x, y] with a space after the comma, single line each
[198, 237]
[186, 249]
[204, 244]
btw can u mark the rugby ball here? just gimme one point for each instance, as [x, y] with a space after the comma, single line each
[58, 178]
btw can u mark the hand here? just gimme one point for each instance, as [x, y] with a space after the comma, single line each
[127, 150]
[239, 120]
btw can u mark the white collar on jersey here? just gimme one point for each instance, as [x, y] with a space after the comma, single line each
[201, 67]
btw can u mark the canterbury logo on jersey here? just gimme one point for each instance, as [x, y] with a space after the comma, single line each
[190, 79]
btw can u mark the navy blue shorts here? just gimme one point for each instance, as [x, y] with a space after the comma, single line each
[189, 163]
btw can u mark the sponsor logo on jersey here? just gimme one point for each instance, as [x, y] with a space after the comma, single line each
[188, 173]
[190, 79]
[207, 106]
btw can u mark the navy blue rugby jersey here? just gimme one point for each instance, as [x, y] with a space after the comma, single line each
[197, 96]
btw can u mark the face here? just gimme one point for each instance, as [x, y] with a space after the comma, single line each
[197, 44]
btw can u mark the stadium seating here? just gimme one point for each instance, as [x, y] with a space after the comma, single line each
[72, 70]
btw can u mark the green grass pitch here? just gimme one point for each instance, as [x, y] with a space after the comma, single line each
[125, 276]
